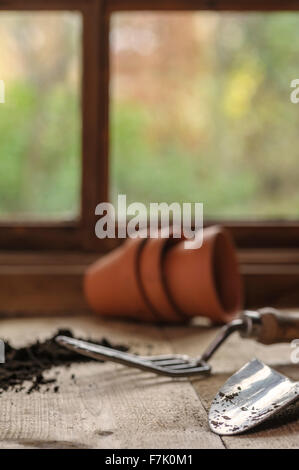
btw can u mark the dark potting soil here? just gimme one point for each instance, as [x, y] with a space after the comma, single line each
[24, 367]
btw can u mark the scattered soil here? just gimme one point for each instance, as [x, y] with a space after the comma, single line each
[24, 367]
[228, 397]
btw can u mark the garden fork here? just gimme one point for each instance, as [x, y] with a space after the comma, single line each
[267, 326]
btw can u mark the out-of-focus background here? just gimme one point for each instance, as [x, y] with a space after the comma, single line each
[200, 112]
[40, 122]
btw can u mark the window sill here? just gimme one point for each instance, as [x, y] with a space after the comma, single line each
[44, 283]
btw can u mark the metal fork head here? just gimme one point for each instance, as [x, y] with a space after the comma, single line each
[171, 365]
[177, 365]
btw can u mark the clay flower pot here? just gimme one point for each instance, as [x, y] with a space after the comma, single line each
[157, 279]
[205, 281]
[152, 279]
[111, 284]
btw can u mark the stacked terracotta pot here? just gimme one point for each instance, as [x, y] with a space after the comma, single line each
[158, 280]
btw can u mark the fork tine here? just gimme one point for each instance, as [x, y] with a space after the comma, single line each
[182, 366]
[164, 357]
[169, 362]
[201, 370]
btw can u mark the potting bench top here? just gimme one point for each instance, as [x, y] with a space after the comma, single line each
[110, 406]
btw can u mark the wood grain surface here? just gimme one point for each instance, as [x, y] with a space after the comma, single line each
[110, 406]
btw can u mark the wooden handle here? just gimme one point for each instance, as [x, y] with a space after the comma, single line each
[277, 327]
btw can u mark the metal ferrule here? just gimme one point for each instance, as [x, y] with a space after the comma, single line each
[251, 324]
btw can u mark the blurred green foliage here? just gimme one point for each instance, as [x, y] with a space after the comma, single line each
[225, 134]
[204, 120]
[40, 121]
[40, 152]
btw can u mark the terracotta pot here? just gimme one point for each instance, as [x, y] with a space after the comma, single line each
[205, 281]
[157, 279]
[152, 280]
[111, 284]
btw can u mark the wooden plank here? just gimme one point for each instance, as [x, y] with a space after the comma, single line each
[269, 257]
[45, 237]
[48, 5]
[54, 290]
[46, 258]
[95, 119]
[114, 407]
[218, 5]
[110, 406]
[231, 357]
[50, 282]
[45, 283]
[272, 285]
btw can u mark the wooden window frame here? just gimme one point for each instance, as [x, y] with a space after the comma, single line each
[77, 234]
[268, 251]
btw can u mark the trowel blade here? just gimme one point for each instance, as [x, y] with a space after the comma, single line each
[250, 396]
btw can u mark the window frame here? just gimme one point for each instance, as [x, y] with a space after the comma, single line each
[77, 234]
[268, 251]
[247, 234]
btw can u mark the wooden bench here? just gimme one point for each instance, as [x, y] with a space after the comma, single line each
[110, 406]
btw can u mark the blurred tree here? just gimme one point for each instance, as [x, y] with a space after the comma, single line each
[201, 111]
[40, 121]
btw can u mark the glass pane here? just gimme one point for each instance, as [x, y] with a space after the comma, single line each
[40, 121]
[201, 111]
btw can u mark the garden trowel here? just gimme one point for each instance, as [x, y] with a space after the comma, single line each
[250, 396]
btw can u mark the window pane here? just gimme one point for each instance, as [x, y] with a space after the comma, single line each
[40, 121]
[201, 111]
